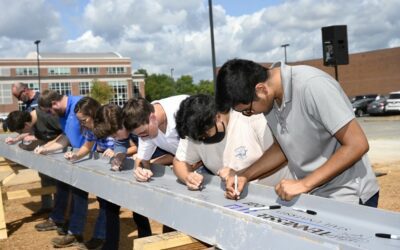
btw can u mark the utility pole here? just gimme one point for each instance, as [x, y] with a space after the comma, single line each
[212, 42]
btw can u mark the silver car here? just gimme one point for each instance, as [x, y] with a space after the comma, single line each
[393, 102]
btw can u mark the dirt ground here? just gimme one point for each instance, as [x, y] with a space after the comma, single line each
[22, 235]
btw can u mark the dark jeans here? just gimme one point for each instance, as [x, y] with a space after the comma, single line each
[112, 223]
[47, 199]
[372, 202]
[79, 207]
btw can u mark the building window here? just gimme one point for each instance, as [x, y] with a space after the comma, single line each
[64, 88]
[116, 70]
[26, 71]
[5, 72]
[88, 71]
[85, 88]
[33, 85]
[59, 71]
[5, 94]
[136, 89]
[120, 92]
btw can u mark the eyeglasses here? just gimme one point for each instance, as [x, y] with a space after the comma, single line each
[249, 111]
[84, 121]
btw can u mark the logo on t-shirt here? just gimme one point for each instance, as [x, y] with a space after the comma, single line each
[241, 152]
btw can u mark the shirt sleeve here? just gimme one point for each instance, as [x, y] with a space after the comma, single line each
[146, 149]
[326, 102]
[121, 146]
[186, 152]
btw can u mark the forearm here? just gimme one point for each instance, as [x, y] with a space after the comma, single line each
[181, 169]
[58, 143]
[267, 164]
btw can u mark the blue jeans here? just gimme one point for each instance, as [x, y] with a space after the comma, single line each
[79, 207]
[47, 199]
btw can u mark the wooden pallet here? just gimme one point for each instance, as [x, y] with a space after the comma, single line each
[12, 174]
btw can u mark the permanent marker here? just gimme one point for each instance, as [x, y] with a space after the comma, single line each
[264, 208]
[305, 210]
[236, 184]
[388, 236]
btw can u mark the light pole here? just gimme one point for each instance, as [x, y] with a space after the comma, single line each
[284, 47]
[172, 73]
[212, 41]
[38, 62]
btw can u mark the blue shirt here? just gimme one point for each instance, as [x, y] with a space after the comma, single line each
[101, 144]
[70, 124]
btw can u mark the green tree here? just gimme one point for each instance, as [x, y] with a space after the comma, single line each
[159, 86]
[101, 91]
[205, 87]
[184, 85]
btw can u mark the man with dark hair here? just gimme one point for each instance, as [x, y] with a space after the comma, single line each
[30, 98]
[217, 140]
[314, 126]
[63, 106]
[154, 124]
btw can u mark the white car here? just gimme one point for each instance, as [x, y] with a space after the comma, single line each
[393, 102]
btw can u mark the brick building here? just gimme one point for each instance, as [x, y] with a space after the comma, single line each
[373, 72]
[69, 73]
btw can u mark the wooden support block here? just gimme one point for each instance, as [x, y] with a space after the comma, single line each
[3, 229]
[19, 194]
[167, 241]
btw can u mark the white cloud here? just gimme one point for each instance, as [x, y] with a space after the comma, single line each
[162, 34]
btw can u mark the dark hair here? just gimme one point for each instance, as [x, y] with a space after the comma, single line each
[47, 97]
[136, 112]
[108, 120]
[87, 106]
[16, 120]
[195, 116]
[236, 81]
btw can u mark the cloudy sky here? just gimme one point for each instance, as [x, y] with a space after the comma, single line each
[162, 34]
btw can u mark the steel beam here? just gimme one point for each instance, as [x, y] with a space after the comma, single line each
[209, 217]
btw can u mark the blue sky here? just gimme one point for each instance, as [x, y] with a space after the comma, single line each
[162, 34]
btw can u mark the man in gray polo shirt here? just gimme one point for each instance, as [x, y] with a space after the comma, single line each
[314, 127]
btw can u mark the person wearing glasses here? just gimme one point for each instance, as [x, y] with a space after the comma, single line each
[218, 141]
[314, 128]
[29, 99]
[63, 107]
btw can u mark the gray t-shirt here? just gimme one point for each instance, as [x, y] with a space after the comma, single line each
[314, 108]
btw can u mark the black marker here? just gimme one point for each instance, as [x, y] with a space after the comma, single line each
[264, 208]
[305, 210]
[388, 236]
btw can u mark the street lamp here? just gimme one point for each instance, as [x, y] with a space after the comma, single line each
[38, 62]
[214, 65]
[172, 73]
[284, 47]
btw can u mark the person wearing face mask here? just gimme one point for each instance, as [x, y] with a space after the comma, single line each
[206, 135]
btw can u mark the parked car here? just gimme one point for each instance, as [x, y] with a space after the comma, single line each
[360, 106]
[393, 102]
[360, 97]
[3, 116]
[377, 107]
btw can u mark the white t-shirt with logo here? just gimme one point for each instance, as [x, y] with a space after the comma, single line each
[246, 139]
